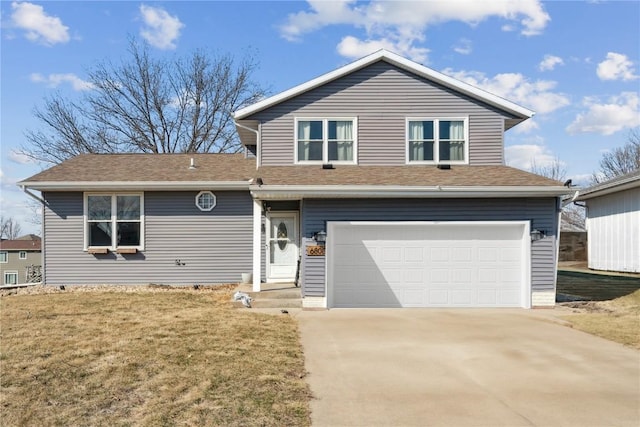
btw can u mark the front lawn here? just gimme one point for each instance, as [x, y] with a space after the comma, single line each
[616, 320]
[148, 357]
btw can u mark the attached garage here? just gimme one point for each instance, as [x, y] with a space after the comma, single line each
[428, 264]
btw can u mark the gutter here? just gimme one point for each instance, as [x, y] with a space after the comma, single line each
[30, 194]
[573, 199]
[132, 185]
[373, 191]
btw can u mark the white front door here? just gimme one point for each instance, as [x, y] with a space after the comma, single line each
[282, 246]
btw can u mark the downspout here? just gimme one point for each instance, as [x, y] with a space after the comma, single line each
[559, 205]
[257, 132]
[42, 238]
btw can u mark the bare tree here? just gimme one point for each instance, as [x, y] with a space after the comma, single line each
[150, 105]
[573, 216]
[555, 170]
[621, 160]
[9, 228]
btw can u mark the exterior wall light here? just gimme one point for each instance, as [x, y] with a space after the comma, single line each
[537, 235]
[321, 236]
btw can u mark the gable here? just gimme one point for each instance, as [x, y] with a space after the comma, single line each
[400, 62]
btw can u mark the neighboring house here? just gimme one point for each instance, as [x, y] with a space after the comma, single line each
[613, 223]
[400, 167]
[17, 256]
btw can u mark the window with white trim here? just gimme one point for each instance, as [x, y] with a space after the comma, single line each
[10, 277]
[437, 141]
[206, 201]
[22, 255]
[326, 140]
[114, 220]
[4, 257]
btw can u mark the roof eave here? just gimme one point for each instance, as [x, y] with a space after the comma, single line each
[609, 190]
[399, 61]
[385, 191]
[133, 185]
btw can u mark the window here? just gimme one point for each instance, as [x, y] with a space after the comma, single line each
[114, 221]
[326, 140]
[10, 277]
[22, 255]
[437, 141]
[4, 257]
[206, 201]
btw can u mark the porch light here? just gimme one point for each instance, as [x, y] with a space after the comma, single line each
[537, 235]
[321, 236]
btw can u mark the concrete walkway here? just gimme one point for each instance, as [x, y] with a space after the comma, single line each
[472, 367]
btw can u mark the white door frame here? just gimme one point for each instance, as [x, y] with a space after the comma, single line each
[296, 221]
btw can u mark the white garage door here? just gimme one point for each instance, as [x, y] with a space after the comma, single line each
[428, 264]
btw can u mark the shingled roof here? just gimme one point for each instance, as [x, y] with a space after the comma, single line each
[21, 244]
[110, 172]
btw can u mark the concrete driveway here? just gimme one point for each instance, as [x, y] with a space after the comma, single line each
[426, 367]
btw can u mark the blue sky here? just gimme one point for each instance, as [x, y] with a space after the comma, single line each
[575, 63]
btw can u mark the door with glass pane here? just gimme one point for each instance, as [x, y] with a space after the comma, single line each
[282, 246]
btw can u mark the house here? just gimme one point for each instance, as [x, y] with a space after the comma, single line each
[379, 184]
[20, 259]
[613, 223]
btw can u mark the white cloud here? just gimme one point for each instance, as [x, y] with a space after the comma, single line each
[615, 114]
[527, 126]
[352, 47]
[524, 156]
[55, 80]
[537, 95]
[19, 158]
[400, 25]
[616, 67]
[549, 62]
[160, 29]
[40, 27]
[463, 47]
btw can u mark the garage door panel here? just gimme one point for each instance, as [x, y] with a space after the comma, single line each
[430, 264]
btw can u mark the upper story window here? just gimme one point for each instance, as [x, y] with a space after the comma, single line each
[326, 140]
[22, 255]
[437, 141]
[114, 221]
[4, 257]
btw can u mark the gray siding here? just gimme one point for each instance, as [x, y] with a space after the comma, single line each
[14, 263]
[215, 246]
[381, 96]
[542, 213]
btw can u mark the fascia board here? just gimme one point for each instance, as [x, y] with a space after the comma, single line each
[134, 185]
[610, 190]
[295, 192]
[399, 61]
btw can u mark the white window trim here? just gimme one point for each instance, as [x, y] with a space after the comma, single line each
[325, 146]
[5, 259]
[436, 142]
[21, 253]
[215, 201]
[4, 277]
[113, 220]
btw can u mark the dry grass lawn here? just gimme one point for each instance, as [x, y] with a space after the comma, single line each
[617, 320]
[171, 357]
